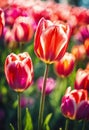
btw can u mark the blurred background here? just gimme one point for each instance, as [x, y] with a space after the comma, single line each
[68, 11]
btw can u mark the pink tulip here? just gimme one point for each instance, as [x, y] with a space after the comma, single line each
[9, 38]
[75, 104]
[50, 84]
[11, 14]
[19, 71]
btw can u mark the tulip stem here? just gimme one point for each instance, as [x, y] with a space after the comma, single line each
[84, 124]
[19, 112]
[42, 100]
[67, 124]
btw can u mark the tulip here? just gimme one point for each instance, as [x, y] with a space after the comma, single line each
[25, 101]
[2, 21]
[40, 10]
[50, 44]
[79, 52]
[82, 79]
[75, 104]
[9, 38]
[11, 14]
[86, 45]
[23, 30]
[50, 84]
[65, 65]
[82, 34]
[19, 71]
[19, 75]
[51, 40]
[87, 66]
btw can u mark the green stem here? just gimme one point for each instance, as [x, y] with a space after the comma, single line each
[75, 124]
[84, 124]
[21, 46]
[42, 100]
[19, 112]
[67, 124]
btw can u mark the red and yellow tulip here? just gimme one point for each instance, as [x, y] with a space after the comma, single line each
[65, 65]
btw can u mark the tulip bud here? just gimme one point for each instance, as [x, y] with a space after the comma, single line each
[19, 71]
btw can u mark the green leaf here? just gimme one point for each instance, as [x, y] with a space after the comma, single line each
[46, 122]
[12, 127]
[28, 121]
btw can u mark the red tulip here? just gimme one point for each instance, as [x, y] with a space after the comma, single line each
[2, 21]
[65, 65]
[86, 44]
[87, 66]
[82, 79]
[19, 71]
[51, 40]
[23, 30]
[75, 104]
[9, 38]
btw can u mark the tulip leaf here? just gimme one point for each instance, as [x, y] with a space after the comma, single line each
[46, 122]
[28, 121]
[12, 127]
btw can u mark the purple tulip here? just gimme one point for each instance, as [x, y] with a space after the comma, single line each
[50, 84]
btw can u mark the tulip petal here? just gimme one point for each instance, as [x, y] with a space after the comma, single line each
[42, 25]
[68, 107]
[83, 110]
[52, 39]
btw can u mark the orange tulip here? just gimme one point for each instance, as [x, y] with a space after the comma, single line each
[66, 65]
[51, 40]
[79, 51]
[86, 45]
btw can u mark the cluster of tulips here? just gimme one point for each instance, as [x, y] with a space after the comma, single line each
[52, 33]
